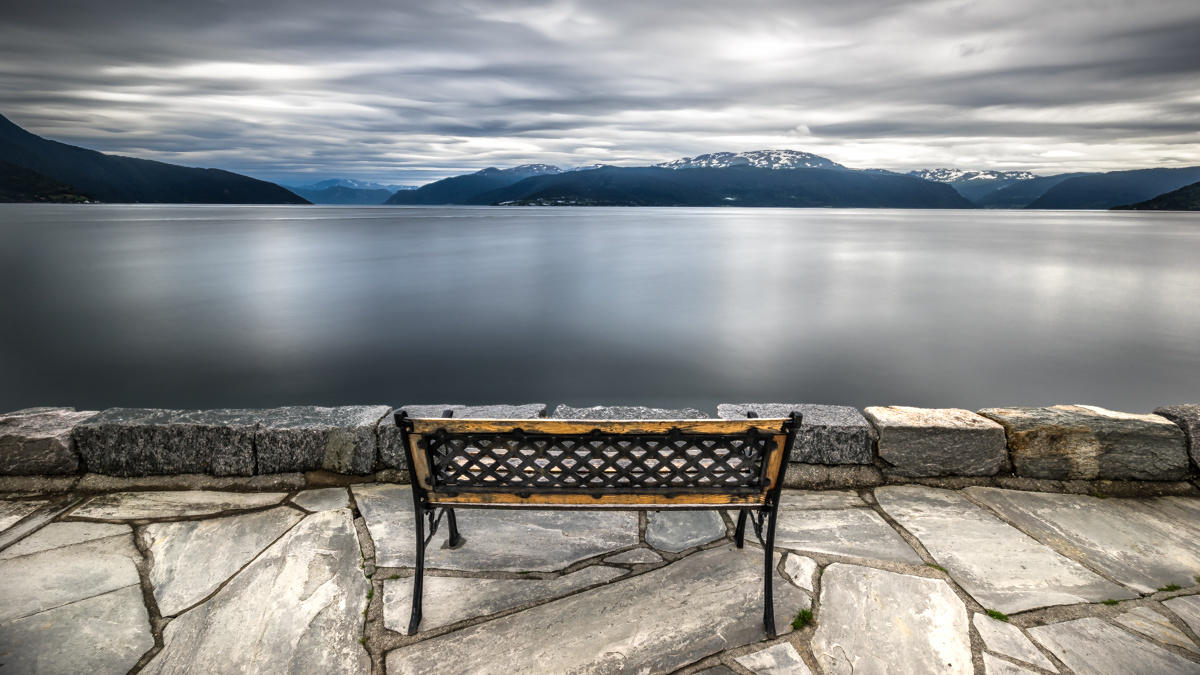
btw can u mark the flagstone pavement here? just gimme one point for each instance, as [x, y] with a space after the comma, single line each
[898, 579]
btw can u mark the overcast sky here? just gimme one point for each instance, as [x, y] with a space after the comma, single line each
[408, 92]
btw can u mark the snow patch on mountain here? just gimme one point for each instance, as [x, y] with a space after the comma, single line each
[762, 159]
[962, 175]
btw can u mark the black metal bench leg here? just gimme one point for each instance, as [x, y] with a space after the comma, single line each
[415, 619]
[453, 541]
[739, 534]
[768, 574]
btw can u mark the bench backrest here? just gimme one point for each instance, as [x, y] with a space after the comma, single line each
[544, 462]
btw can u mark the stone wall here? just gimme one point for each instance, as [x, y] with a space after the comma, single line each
[1064, 447]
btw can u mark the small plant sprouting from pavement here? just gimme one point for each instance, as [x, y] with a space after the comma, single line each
[1170, 587]
[370, 593]
[1109, 602]
[936, 567]
[394, 576]
[999, 616]
[803, 618]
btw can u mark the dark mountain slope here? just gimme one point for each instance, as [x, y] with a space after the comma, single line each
[732, 186]
[18, 184]
[1020, 194]
[458, 189]
[1106, 190]
[111, 178]
[1186, 198]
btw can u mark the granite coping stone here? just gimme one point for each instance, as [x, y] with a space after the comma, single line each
[308, 438]
[1187, 417]
[155, 441]
[391, 450]
[923, 442]
[828, 434]
[1066, 442]
[37, 441]
[626, 412]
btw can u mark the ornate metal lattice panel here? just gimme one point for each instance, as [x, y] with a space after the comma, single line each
[538, 462]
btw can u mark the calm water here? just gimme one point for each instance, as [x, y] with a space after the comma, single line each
[200, 306]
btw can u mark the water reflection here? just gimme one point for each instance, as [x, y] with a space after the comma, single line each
[255, 306]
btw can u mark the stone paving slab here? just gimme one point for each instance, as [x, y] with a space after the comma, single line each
[1154, 625]
[103, 634]
[819, 499]
[1142, 543]
[153, 441]
[37, 441]
[873, 621]
[780, 659]
[857, 532]
[324, 499]
[1068, 442]
[828, 434]
[1092, 647]
[298, 608]
[996, 666]
[677, 531]
[494, 539]
[447, 600]
[1188, 609]
[12, 511]
[655, 622]
[800, 570]
[1008, 640]
[190, 559]
[165, 505]
[937, 441]
[1000, 566]
[638, 556]
[57, 535]
[52, 578]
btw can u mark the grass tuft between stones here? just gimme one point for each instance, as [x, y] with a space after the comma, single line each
[394, 576]
[1109, 602]
[370, 593]
[803, 618]
[999, 616]
[1170, 587]
[936, 567]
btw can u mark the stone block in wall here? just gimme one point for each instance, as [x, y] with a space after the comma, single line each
[1070, 442]
[37, 441]
[626, 412]
[308, 438]
[920, 442]
[391, 451]
[152, 441]
[828, 434]
[1187, 417]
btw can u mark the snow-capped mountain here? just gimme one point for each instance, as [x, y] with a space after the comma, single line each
[354, 184]
[763, 159]
[961, 175]
[524, 170]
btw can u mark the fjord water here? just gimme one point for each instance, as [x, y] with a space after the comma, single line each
[220, 306]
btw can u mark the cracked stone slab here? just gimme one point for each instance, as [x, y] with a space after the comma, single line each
[1092, 647]
[1000, 566]
[937, 441]
[1068, 442]
[298, 608]
[1008, 640]
[626, 412]
[1188, 609]
[659, 621]
[996, 666]
[448, 600]
[172, 504]
[37, 441]
[1142, 543]
[323, 499]
[828, 434]
[677, 531]
[58, 535]
[12, 511]
[638, 556]
[153, 441]
[192, 558]
[780, 659]
[873, 621]
[1156, 626]
[391, 450]
[858, 533]
[494, 539]
[311, 438]
[106, 633]
[800, 570]
[1186, 417]
[41, 581]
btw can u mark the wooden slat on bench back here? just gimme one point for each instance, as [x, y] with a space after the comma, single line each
[589, 462]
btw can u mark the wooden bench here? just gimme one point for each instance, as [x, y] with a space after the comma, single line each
[594, 464]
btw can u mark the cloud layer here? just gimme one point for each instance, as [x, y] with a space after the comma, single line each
[410, 92]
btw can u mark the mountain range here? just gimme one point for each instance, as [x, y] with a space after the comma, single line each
[112, 178]
[347, 191]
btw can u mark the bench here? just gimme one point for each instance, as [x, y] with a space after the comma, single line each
[593, 464]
